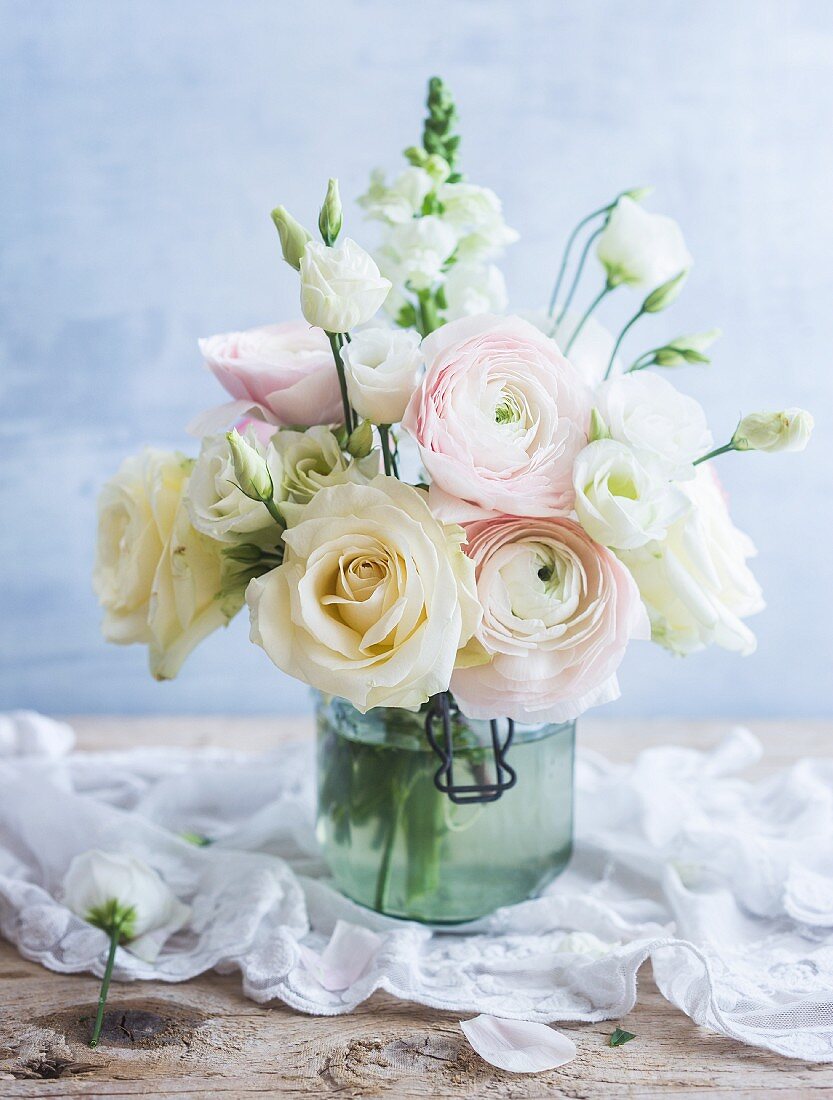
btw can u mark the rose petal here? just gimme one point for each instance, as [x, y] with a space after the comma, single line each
[518, 1046]
[344, 959]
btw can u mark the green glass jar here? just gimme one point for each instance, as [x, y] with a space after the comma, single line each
[397, 844]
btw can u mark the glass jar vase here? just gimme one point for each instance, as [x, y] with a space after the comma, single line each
[397, 844]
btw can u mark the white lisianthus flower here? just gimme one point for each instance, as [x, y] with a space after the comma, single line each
[623, 499]
[100, 886]
[382, 370]
[641, 249]
[340, 286]
[313, 460]
[472, 288]
[476, 215]
[592, 349]
[415, 252]
[696, 584]
[789, 430]
[159, 581]
[400, 201]
[217, 507]
[649, 414]
[373, 599]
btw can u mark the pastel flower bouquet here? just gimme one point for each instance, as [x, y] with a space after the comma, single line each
[449, 521]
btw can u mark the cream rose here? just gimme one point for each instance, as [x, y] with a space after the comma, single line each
[499, 418]
[313, 460]
[382, 368]
[558, 613]
[696, 583]
[340, 286]
[158, 579]
[373, 599]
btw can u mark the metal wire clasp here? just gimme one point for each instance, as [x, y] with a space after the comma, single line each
[441, 707]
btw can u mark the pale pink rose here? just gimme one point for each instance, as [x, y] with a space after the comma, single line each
[499, 419]
[558, 613]
[283, 374]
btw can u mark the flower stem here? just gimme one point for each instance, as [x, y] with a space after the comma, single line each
[336, 343]
[574, 285]
[384, 436]
[428, 319]
[642, 361]
[606, 289]
[619, 340]
[115, 936]
[571, 240]
[730, 446]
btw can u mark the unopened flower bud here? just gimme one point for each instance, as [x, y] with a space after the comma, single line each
[331, 218]
[598, 428]
[788, 430]
[293, 236]
[250, 469]
[664, 295]
[360, 442]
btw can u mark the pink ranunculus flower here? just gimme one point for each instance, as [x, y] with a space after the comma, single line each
[558, 613]
[283, 374]
[499, 419]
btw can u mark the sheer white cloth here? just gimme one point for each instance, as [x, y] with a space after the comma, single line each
[726, 885]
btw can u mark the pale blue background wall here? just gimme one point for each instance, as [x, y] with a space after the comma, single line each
[144, 143]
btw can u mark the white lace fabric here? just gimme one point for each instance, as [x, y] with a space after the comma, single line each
[726, 885]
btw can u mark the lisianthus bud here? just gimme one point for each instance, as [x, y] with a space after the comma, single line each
[664, 295]
[598, 428]
[293, 236]
[686, 349]
[250, 469]
[788, 430]
[330, 219]
[360, 440]
[340, 287]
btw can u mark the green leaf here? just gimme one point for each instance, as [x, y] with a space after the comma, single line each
[620, 1037]
[406, 317]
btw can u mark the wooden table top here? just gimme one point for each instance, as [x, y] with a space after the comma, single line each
[203, 1038]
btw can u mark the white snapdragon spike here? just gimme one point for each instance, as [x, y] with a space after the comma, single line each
[591, 350]
[649, 414]
[399, 202]
[476, 216]
[416, 252]
[640, 249]
[623, 499]
[518, 1046]
[313, 460]
[789, 430]
[95, 879]
[341, 287]
[696, 584]
[472, 289]
[215, 502]
[382, 368]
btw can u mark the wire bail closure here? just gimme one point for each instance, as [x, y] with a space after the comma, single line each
[440, 707]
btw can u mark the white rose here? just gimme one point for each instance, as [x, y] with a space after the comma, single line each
[696, 583]
[641, 249]
[476, 215]
[789, 430]
[415, 252]
[313, 460]
[382, 369]
[400, 201]
[158, 580]
[472, 288]
[216, 505]
[373, 599]
[622, 501]
[592, 348]
[340, 287]
[649, 414]
[96, 879]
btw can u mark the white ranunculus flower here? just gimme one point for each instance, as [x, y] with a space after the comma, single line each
[216, 505]
[476, 215]
[789, 430]
[373, 599]
[623, 500]
[382, 368]
[641, 249]
[400, 201]
[648, 413]
[313, 460]
[696, 584]
[340, 286]
[472, 288]
[96, 879]
[593, 347]
[159, 581]
[415, 252]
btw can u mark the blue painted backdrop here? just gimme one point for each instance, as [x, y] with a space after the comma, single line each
[144, 143]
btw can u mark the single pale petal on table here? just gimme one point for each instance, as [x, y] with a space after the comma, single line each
[517, 1045]
[345, 958]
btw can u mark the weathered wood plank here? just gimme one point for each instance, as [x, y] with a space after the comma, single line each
[219, 1044]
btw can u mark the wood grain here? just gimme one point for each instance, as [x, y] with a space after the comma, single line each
[215, 1043]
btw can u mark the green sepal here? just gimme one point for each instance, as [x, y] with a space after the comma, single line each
[114, 916]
